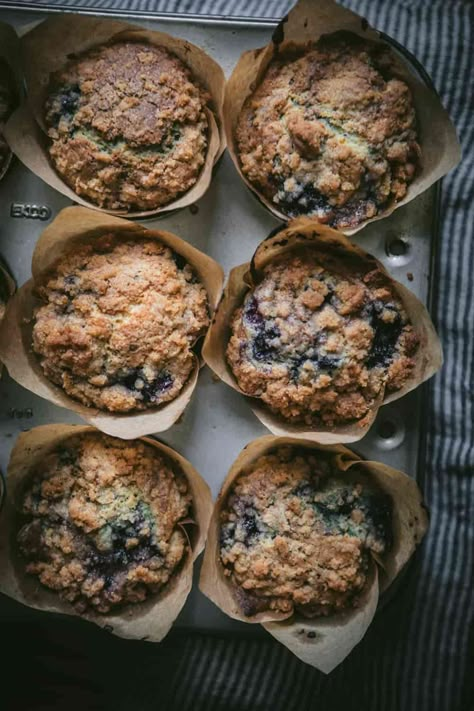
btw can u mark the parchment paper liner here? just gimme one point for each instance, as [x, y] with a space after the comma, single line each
[7, 289]
[306, 22]
[10, 53]
[150, 620]
[334, 636]
[304, 231]
[74, 226]
[47, 47]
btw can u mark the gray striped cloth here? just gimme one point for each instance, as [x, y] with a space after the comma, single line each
[418, 652]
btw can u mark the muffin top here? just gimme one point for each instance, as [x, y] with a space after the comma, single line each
[100, 521]
[118, 323]
[128, 126]
[321, 337]
[330, 132]
[296, 533]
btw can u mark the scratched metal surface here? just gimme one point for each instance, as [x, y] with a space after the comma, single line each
[228, 224]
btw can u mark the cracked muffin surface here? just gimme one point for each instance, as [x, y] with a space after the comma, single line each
[296, 534]
[118, 323]
[330, 132]
[321, 338]
[128, 126]
[101, 521]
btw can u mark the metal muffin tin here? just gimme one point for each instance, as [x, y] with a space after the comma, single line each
[227, 223]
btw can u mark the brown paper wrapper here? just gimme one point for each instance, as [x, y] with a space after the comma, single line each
[7, 289]
[330, 639]
[47, 48]
[150, 620]
[10, 55]
[307, 22]
[304, 231]
[74, 226]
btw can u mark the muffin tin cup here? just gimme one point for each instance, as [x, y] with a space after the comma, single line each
[306, 23]
[7, 289]
[9, 53]
[321, 642]
[150, 620]
[305, 232]
[48, 47]
[72, 227]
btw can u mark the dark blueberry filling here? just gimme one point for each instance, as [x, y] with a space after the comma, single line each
[330, 296]
[135, 380]
[67, 456]
[322, 362]
[179, 260]
[325, 362]
[262, 349]
[252, 314]
[106, 564]
[67, 100]
[246, 528]
[334, 503]
[308, 201]
[304, 490]
[102, 563]
[250, 525]
[386, 335]
[378, 510]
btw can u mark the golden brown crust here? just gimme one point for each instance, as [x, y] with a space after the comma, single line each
[296, 533]
[101, 521]
[128, 126]
[320, 338]
[118, 324]
[330, 132]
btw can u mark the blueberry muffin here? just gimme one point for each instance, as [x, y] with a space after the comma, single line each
[118, 323]
[101, 522]
[321, 338]
[330, 132]
[296, 534]
[128, 126]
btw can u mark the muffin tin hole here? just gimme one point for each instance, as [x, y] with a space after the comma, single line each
[387, 429]
[398, 249]
[390, 432]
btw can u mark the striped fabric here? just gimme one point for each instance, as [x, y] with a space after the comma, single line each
[417, 654]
